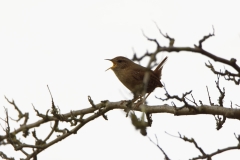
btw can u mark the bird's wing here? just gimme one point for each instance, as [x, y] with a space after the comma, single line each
[153, 80]
[138, 74]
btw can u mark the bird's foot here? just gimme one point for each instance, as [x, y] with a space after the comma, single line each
[123, 101]
[128, 103]
[139, 102]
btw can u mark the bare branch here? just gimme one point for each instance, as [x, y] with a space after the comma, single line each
[219, 121]
[181, 99]
[4, 156]
[209, 156]
[193, 100]
[227, 75]
[205, 155]
[222, 92]
[192, 141]
[171, 40]
[150, 39]
[210, 102]
[20, 114]
[156, 144]
[205, 38]
[77, 119]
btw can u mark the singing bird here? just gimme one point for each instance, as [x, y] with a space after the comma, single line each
[132, 76]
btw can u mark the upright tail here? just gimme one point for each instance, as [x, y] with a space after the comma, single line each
[158, 70]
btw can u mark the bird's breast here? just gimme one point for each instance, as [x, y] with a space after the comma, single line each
[126, 78]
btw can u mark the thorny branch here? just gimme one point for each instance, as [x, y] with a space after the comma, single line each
[205, 38]
[220, 120]
[20, 114]
[205, 155]
[156, 144]
[171, 40]
[235, 77]
[91, 114]
[191, 108]
[4, 156]
[229, 76]
[77, 119]
[197, 49]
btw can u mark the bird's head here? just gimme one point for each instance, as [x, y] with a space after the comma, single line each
[119, 63]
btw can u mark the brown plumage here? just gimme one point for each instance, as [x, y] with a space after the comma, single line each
[132, 75]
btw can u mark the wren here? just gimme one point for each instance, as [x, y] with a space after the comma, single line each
[132, 76]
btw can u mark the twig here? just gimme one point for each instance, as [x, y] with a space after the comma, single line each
[156, 144]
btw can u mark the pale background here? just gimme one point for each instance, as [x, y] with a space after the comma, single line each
[63, 44]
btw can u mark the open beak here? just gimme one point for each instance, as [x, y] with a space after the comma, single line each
[114, 64]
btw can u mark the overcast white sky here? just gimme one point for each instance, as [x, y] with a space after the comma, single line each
[63, 44]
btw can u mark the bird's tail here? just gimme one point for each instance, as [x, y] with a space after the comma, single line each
[158, 70]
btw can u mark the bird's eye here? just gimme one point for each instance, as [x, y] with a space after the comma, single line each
[119, 61]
